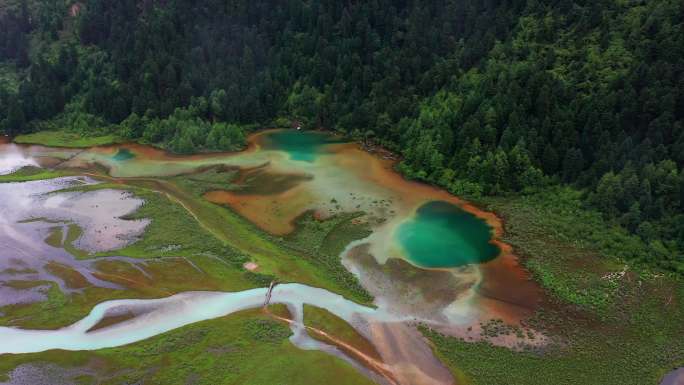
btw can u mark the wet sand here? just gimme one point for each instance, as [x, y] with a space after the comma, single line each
[111, 320]
[409, 355]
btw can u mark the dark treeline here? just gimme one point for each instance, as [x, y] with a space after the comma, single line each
[481, 97]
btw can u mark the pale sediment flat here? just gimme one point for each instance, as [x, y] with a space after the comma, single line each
[30, 211]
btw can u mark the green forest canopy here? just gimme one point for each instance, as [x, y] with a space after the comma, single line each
[480, 97]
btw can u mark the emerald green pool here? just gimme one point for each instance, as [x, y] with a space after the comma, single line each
[442, 235]
[304, 146]
[123, 154]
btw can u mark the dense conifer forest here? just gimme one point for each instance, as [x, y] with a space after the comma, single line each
[481, 97]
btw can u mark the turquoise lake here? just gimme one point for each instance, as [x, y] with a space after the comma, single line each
[303, 146]
[442, 235]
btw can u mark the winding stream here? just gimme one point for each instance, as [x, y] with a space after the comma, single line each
[156, 316]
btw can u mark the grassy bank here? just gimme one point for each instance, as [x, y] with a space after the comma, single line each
[329, 323]
[64, 138]
[610, 322]
[29, 173]
[322, 242]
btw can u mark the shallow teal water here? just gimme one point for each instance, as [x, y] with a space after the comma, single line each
[123, 154]
[442, 235]
[304, 146]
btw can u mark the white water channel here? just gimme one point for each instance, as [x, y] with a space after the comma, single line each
[157, 316]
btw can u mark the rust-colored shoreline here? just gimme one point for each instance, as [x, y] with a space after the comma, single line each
[508, 289]
[152, 152]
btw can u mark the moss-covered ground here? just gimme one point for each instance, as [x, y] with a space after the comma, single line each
[610, 322]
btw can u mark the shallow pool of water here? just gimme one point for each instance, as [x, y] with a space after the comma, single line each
[442, 235]
[303, 146]
[12, 159]
[676, 377]
[123, 154]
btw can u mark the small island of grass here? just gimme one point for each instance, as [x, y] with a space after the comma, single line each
[63, 138]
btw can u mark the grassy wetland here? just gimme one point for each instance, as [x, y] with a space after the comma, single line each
[542, 285]
[612, 322]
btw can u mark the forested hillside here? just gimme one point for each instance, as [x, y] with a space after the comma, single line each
[480, 97]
